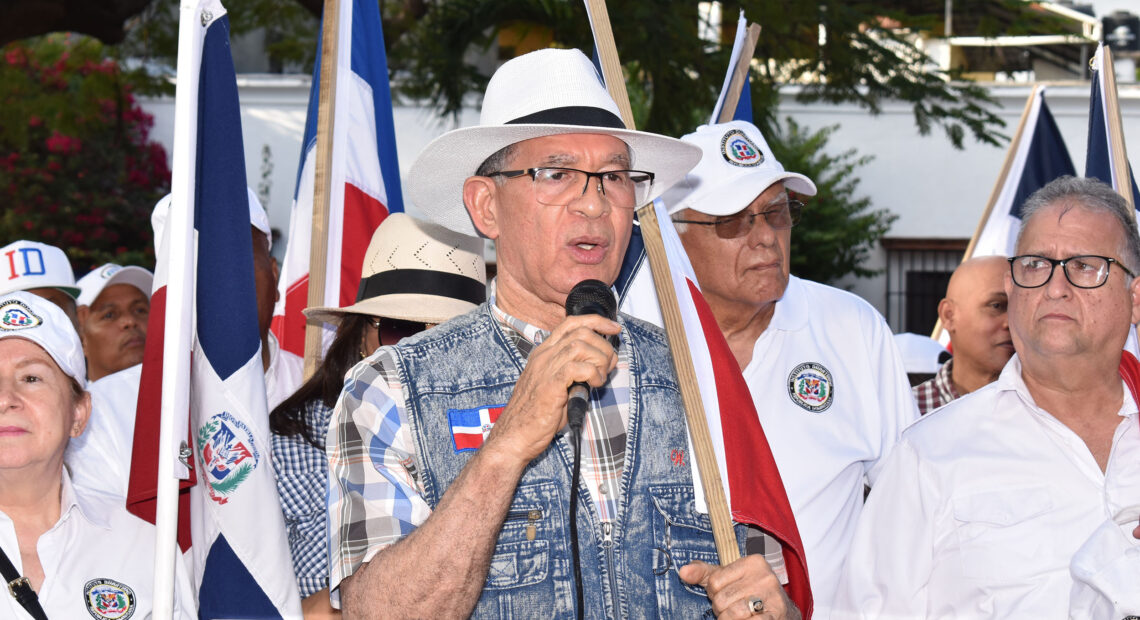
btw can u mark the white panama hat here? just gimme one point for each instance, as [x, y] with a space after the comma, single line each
[737, 165]
[416, 271]
[543, 93]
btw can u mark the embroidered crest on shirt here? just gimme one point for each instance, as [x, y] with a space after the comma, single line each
[469, 427]
[810, 386]
[107, 598]
[738, 150]
[228, 454]
[15, 315]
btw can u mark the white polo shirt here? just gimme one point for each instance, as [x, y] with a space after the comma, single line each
[833, 397]
[981, 508]
[98, 562]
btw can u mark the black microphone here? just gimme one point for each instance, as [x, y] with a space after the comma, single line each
[587, 297]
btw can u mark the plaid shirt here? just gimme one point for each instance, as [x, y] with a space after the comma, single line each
[375, 495]
[936, 391]
[302, 473]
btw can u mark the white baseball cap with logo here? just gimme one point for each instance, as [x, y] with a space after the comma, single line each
[100, 278]
[24, 315]
[736, 166]
[25, 265]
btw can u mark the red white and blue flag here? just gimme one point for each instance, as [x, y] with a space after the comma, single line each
[469, 427]
[1100, 158]
[365, 173]
[751, 480]
[1039, 157]
[239, 557]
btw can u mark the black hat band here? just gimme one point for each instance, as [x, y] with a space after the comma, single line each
[422, 282]
[586, 116]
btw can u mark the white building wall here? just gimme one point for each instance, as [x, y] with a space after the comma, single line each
[937, 191]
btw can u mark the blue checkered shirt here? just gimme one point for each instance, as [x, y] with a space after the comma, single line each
[302, 475]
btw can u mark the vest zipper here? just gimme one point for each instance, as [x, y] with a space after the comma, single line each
[608, 545]
[532, 517]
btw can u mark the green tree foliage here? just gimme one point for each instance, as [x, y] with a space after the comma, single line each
[838, 229]
[76, 164]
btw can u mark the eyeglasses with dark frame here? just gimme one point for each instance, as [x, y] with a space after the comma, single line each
[782, 217]
[1084, 271]
[627, 189]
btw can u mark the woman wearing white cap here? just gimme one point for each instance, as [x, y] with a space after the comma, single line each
[415, 275]
[70, 552]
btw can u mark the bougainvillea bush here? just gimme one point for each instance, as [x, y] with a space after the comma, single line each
[77, 167]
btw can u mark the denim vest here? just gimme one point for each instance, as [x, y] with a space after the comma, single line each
[629, 567]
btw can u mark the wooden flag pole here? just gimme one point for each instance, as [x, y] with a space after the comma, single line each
[322, 182]
[739, 75]
[995, 193]
[719, 514]
[607, 53]
[1115, 129]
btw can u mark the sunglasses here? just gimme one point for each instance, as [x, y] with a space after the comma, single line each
[779, 216]
[392, 331]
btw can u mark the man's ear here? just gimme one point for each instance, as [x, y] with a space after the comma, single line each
[946, 311]
[276, 279]
[1134, 297]
[480, 196]
[82, 313]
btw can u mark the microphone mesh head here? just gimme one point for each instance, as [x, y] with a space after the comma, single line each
[591, 297]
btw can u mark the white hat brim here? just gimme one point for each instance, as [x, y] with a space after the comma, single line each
[436, 178]
[725, 199]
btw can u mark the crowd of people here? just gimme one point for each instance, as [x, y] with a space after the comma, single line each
[427, 467]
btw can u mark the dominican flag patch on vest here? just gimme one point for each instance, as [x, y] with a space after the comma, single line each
[469, 427]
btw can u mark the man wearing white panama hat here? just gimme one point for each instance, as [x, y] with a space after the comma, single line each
[449, 477]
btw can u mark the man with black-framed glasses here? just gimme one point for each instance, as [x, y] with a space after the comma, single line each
[1021, 499]
[824, 373]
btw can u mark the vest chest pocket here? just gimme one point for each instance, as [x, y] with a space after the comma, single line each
[522, 551]
[680, 535]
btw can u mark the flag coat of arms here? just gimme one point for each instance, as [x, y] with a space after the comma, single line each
[365, 173]
[239, 556]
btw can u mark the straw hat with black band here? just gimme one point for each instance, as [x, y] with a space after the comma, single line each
[416, 271]
[518, 107]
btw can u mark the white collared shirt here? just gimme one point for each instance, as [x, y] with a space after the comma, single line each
[284, 375]
[980, 510]
[828, 445]
[98, 561]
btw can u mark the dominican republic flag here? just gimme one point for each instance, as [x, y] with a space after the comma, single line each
[1100, 160]
[239, 557]
[634, 284]
[363, 164]
[751, 480]
[1039, 157]
[469, 427]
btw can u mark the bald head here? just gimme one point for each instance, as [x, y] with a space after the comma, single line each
[974, 314]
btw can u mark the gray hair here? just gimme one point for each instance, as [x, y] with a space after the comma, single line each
[1091, 194]
[496, 162]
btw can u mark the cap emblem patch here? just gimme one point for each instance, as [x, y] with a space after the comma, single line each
[738, 150]
[15, 315]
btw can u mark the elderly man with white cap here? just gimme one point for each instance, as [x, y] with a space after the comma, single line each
[821, 365]
[65, 552]
[42, 270]
[451, 490]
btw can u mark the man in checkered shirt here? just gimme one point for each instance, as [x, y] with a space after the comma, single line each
[974, 314]
[422, 524]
